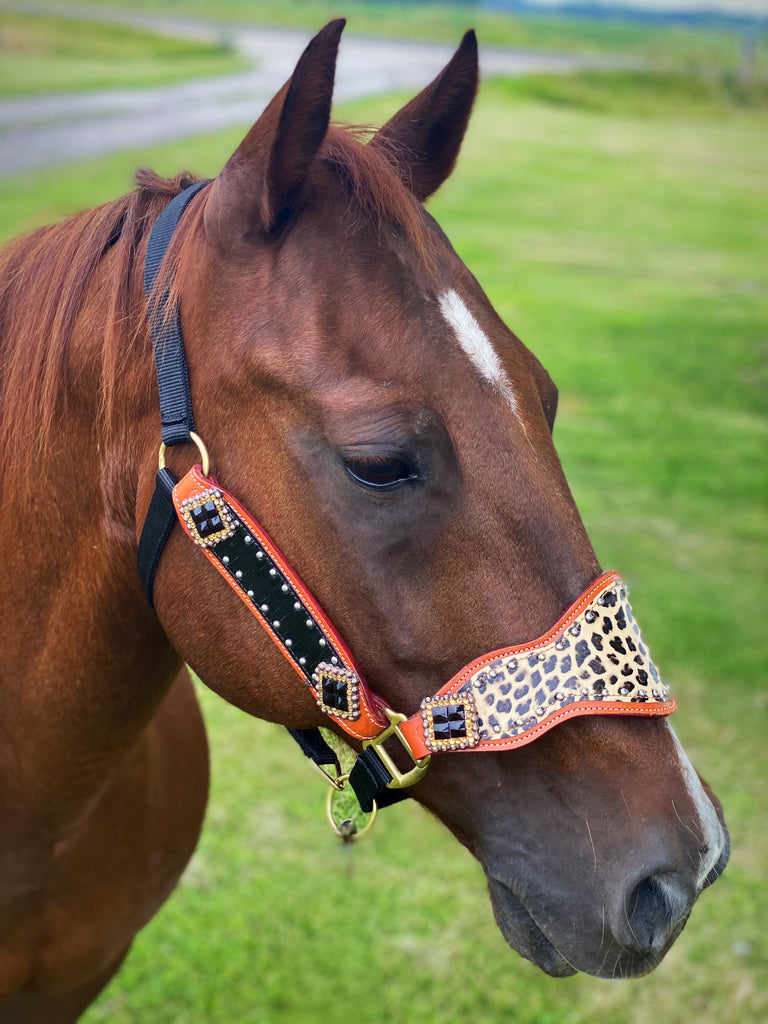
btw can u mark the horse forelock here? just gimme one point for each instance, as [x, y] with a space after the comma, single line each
[370, 178]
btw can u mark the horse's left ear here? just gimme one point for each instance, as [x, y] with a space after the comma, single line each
[423, 139]
[261, 182]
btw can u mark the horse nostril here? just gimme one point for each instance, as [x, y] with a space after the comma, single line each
[655, 908]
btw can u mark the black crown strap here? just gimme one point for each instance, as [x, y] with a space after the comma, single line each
[172, 374]
[173, 384]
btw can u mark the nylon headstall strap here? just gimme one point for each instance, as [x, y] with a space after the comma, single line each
[592, 661]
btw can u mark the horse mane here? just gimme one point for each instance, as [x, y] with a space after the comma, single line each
[45, 277]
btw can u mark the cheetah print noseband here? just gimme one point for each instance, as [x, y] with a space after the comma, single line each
[593, 661]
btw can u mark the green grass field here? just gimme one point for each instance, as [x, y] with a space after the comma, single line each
[625, 242]
[45, 54]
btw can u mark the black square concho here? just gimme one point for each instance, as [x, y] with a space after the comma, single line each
[338, 690]
[208, 517]
[450, 721]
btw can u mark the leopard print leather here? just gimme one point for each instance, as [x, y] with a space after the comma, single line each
[599, 657]
[594, 661]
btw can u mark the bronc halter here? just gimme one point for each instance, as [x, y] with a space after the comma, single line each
[593, 661]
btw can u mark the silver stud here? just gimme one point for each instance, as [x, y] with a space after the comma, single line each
[276, 623]
[584, 691]
[273, 572]
[497, 728]
[296, 605]
[322, 641]
[560, 645]
[590, 615]
[284, 588]
[623, 691]
[289, 643]
[541, 656]
[248, 539]
[519, 723]
[302, 661]
[239, 574]
[512, 664]
[539, 712]
[225, 559]
[250, 593]
[310, 623]
[259, 554]
[334, 661]
[265, 607]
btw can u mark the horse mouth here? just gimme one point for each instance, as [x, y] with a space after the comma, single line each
[522, 933]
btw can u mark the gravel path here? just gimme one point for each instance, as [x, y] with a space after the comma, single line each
[49, 130]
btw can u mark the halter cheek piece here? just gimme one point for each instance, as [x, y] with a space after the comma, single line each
[593, 661]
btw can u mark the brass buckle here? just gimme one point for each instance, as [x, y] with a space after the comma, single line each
[420, 764]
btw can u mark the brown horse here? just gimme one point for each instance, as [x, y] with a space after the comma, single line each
[361, 396]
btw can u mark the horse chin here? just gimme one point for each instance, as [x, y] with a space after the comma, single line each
[523, 934]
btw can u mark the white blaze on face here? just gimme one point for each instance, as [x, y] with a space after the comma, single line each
[475, 343]
[711, 831]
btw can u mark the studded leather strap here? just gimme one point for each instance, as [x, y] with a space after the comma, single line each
[247, 558]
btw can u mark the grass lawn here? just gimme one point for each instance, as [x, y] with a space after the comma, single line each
[48, 54]
[626, 244]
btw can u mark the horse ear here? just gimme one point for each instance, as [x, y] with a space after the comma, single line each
[261, 182]
[423, 139]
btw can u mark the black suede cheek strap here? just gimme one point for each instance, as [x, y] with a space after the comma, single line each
[157, 528]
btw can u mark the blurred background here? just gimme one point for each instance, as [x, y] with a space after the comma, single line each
[612, 199]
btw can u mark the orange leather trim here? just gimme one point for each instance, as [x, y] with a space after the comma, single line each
[413, 730]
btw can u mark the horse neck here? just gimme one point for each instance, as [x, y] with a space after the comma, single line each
[85, 659]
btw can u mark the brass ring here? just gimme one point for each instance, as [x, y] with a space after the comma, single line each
[353, 834]
[204, 458]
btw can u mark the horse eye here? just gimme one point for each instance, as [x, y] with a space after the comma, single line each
[380, 473]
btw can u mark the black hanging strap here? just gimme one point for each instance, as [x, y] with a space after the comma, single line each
[369, 779]
[314, 746]
[172, 375]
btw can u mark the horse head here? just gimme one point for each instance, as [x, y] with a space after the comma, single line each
[361, 397]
